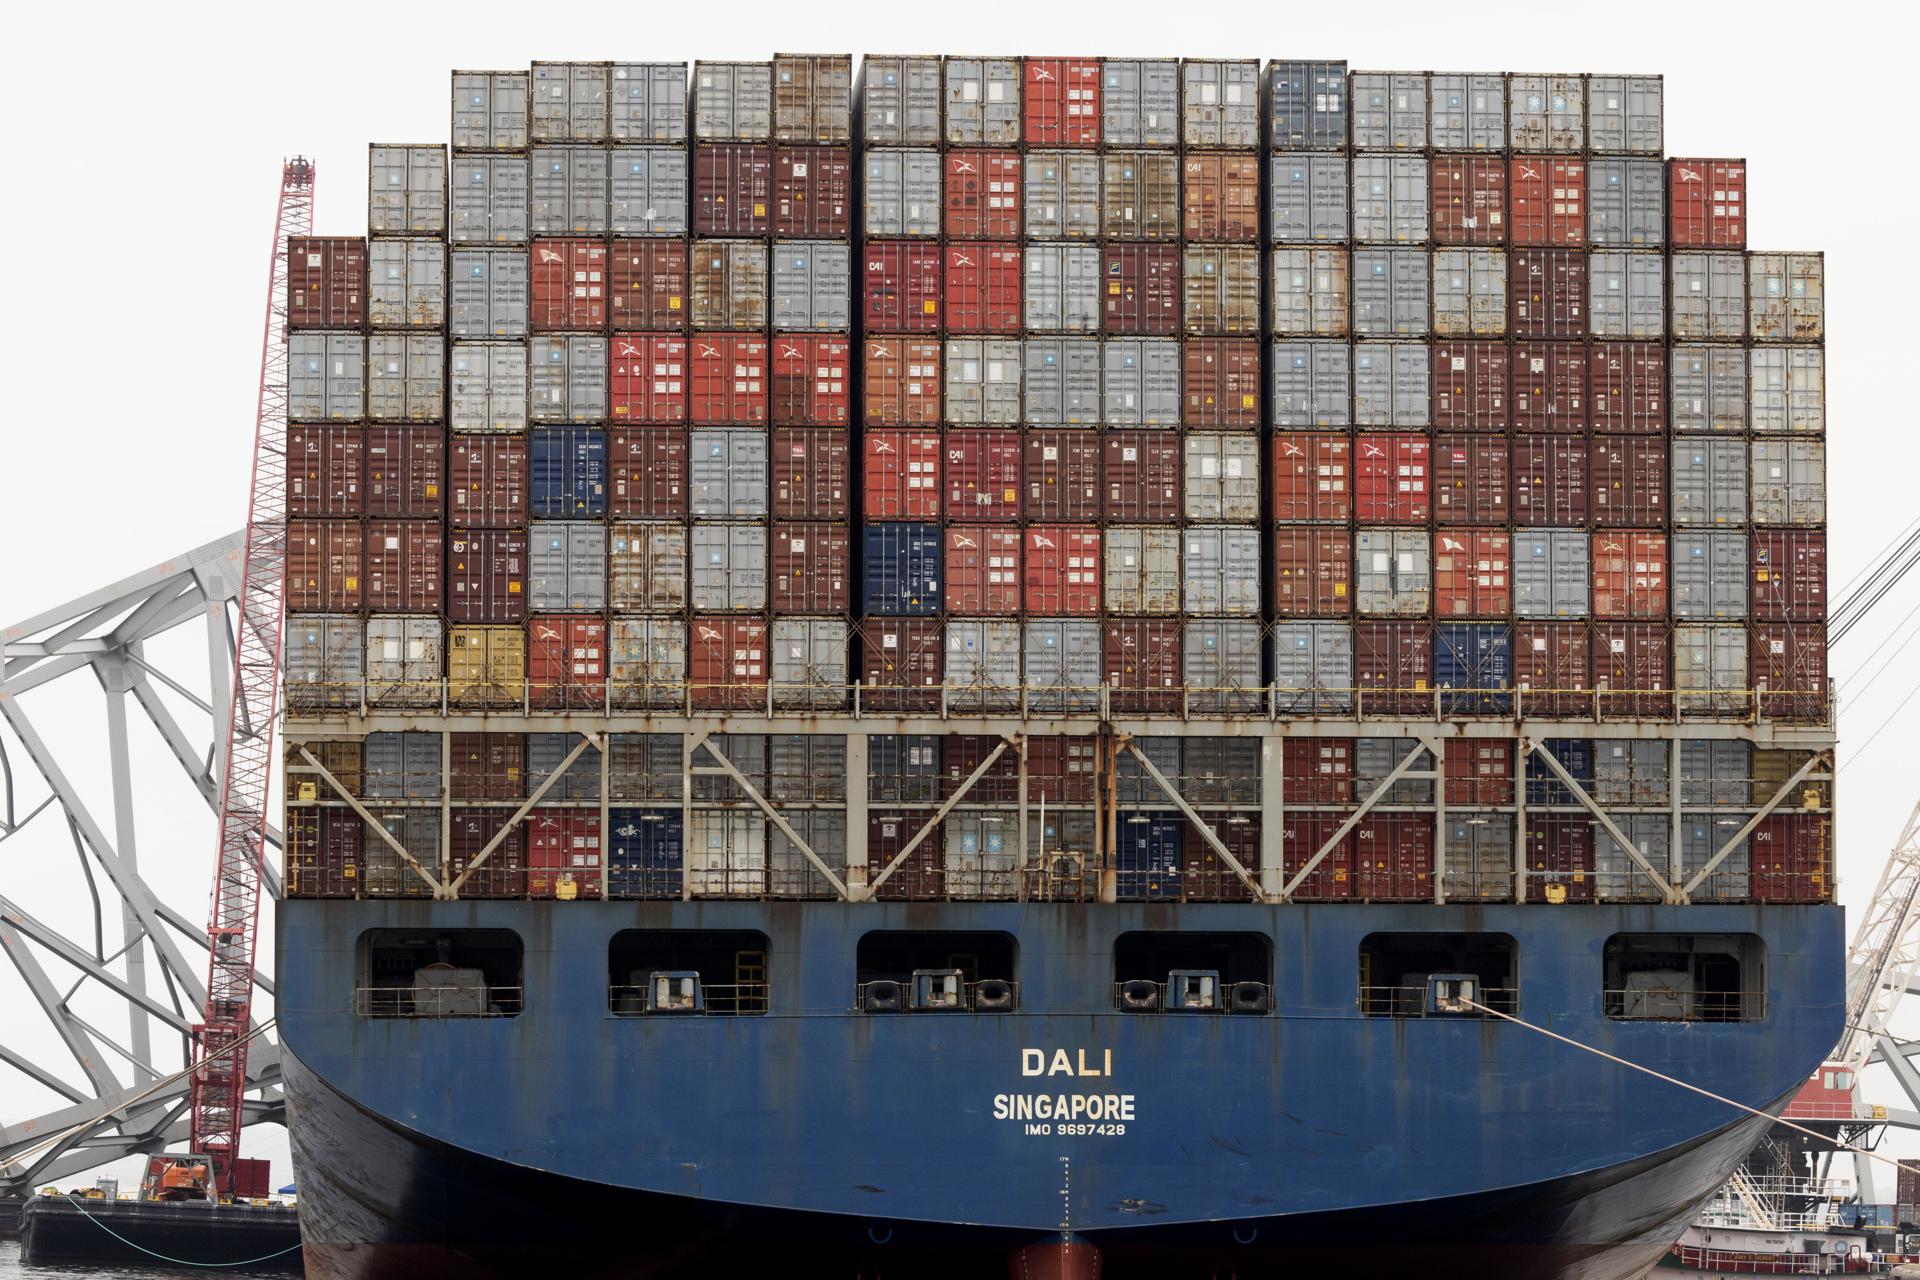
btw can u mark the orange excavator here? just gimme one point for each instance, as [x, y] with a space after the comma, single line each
[177, 1177]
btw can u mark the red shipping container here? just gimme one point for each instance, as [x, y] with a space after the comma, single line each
[567, 661]
[325, 853]
[811, 565]
[729, 663]
[902, 382]
[1550, 480]
[326, 282]
[982, 570]
[732, 189]
[647, 473]
[1393, 667]
[1629, 479]
[1312, 571]
[1627, 386]
[1140, 662]
[1547, 198]
[1630, 574]
[1549, 386]
[488, 766]
[983, 287]
[1480, 771]
[1303, 836]
[902, 662]
[1788, 582]
[1141, 287]
[729, 380]
[647, 378]
[1393, 857]
[1560, 853]
[1062, 570]
[504, 873]
[1631, 670]
[487, 575]
[812, 380]
[563, 844]
[1204, 874]
[406, 471]
[1553, 668]
[326, 470]
[1060, 102]
[1220, 383]
[962, 753]
[1062, 473]
[1469, 199]
[813, 192]
[1707, 204]
[812, 474]
[1391, 479]
[1789, 669]
[1472, 386]
[1220, 196]
[922, 877]
[982, 475]
[647, 284]
[1471, 480]
[1317, 771]
[1140, 476]
[488, 481]
[1793, 858]
[1060, 770]
[1312, 476]
[1472, 573]
[325, 566]
[982, 193]
[1547, 296]
[902, 475]
[569, 279]
[900, 286]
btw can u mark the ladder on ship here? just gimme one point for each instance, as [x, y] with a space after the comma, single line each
[750, 981]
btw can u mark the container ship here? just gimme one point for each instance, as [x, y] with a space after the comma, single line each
[969, 665]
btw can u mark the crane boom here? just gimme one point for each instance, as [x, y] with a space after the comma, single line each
[1886, 948]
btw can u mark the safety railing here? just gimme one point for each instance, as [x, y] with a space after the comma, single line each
[1417, 1002]
[1679, 1004]
[1759, 1264]
[734, 999]
[450, 1001]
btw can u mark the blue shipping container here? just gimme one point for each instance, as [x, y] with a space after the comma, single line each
[1148, 858]
[902, 568]
[903, 768]
[1476, 657]
[1544, 786]
[567, 472]
[644, 853]
[1309, 105]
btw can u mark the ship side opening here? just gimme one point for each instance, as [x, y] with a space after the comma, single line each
[1686, 977]
[440, 973]
[1192, 972]
[1420, 975]
[687, 971]
[934, 971]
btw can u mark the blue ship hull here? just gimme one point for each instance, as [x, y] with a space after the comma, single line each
[1250, 1145]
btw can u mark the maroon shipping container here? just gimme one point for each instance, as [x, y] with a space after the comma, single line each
[647, 473]
[1630, 574]
[983, 281]
[487, 575]
[1220, 196]
[1549, 386]
[1472, 573]
[813, 192]
[504, 873]
[1393, 667]
[1547, 296]
[1547, 199]
[324, 566]
[1312, 476]
[1317, 771]
[1140, 662]
[647, 284]
[1470, 480]
[647, 378]
[900, 286]
[406, 471]
[962, 753]
[569, 279]
[1472, 386]
[1062, 472]
[1220, 384]
[1060, 770]
[1140, 476]
[1707, 204]
[1789, 578]
[902, 661]
[922, 877]
[1631, 670]
[732, 189]
[326, 470]
[1204, 874]
[1480, 770]
[729, 380]
[812, 474]
[1393, 857]
[729, 662]
[1792, 857]
[1629, 479]
[1550, 480]
[326, 282]
[981, 470]
[1469, 199]
[1061, 570]
[812, 379]
[1789, 668]
[1141, 288]
[1312, 571]
[488, 766]
[902, 382]
[901, 478]
[1301, 838]
[982, 194]
[1060, 102]
[1391, 479]
[488, 481]
[562, 843]
[1627, 386]
[811, 566]
[982, 570]
[567, 661]
[325, 853]
[1553, 667]
[1560, 853]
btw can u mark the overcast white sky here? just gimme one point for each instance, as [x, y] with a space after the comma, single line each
[145, 148]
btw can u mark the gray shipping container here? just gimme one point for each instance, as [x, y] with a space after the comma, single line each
[647, 667]
[325, 658]
[1468, 112]
[728, 289]
[1625, 113]
[1222, 474]
[581, 781]
[1787, 388]
[1142, 570]
[1789, 482]
[729, 472]
[812, 285]
[647, 102]
[809, 662]
[1393, 572]
[1219, 770]
[813, 97]
[1389, 110]
[1392, 384]
[902, 193]
[647, 568]
[983, 381]
[1140, 381]
[1390, 199]
[983, 664]
[1709, 482]
[1479, 860]
[489, 198]
[729, 566]
[1063, 288]
[1220, 284]
[1715, 773]
[406, 283]
[401, 766]
[566, 565]
[1375, 758]
[406, 190]
[900, 101]
[487, 386]
[567, 378]
[746, 752]
[1552, 573]
[981, 857]
[1220, 662]
[487, 293]
[789, 873]
[1470, 292]
[1546, 113]
[1786, 297]
[1219, 103]
[1133, 785]
[807, 768]
[1626, 294]
[1616, 876]
[568, 191]
[1062, 665]
[982, 101]
[403, 661]
[1709, 391]
[1701, 835]
[1390, 293]
[406, 377]
[489, 110]
[644, 766]
[1629, 771]
[1626, 203]
[1710, 669]
[1060, 196]
[1709, 579]
[732, 101]
[1709, 294]
[326, 377]
[1307, 196]
[384, 873]
[647, 191]
[1313, 667]
[1139, 103]
[726, 854]
[569, 102]
[1062, 381]
[1309, 292]
[1312, 384]
[1220, 572]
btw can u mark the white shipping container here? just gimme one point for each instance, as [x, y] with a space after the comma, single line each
[983, 664]
[487, 386]
[727, 854]
[809, 663]
[406, 284]
[403, 661]
[1142, 570]
[407, 190]
[406, 377]
[982, 381]
[647, 666]
[1222, 476]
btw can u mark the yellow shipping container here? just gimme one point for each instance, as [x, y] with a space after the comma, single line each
[1771, 768]
[486, 666]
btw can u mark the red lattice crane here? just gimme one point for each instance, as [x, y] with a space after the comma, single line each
[219, 1085]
